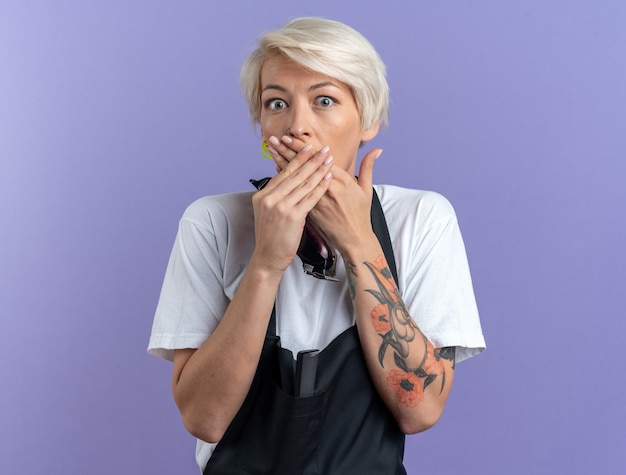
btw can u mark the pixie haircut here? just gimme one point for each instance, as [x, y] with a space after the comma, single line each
[327, 47]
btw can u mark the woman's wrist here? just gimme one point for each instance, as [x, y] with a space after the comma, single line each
[362, 250]
[262, 271]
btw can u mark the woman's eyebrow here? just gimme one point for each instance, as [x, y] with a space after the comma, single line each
[274, 86]
[319, 85]
[323, 84]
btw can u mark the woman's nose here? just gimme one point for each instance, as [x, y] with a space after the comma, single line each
[300, 122]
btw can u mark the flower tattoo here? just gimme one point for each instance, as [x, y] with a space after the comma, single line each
[380, 318]
[391, 319]
[407, 386]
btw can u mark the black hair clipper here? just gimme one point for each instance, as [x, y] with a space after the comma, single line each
[318, 258]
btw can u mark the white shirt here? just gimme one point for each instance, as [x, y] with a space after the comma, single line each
[215, 241]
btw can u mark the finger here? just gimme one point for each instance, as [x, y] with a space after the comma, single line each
[310, 173]
[287, 146]
[308, 200]
[283, 148]
[279, 161]
[366, 170]
[282, 166]
[299, 160]
[303, 197]
[300, 170]
[293, 143]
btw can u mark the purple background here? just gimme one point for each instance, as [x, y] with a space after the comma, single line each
[116, 115]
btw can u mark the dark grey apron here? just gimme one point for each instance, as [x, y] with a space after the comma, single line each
[344, 428]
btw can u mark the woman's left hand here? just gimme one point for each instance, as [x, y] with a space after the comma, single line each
[343, 214]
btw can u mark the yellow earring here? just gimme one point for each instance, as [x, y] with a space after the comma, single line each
[265, 152]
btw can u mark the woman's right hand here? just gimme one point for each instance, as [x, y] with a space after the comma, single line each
[280, 209]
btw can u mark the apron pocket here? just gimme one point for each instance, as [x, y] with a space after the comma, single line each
[288, 439]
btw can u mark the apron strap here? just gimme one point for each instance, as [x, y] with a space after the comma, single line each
[379, 225]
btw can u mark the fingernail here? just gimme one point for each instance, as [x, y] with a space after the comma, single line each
[329, 160]
[274, 141]
[272, 150]
[307, 147]
[328, 176]
[378, 154]
[287, 139]
[325, 149]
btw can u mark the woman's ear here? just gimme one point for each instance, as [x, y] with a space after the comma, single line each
[370, 133]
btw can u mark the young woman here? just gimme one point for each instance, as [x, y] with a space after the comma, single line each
[236, 306]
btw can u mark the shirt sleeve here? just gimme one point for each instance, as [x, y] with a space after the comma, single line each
[434, 275]
[192, 299]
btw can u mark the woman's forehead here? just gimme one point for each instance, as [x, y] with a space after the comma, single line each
[281, 71]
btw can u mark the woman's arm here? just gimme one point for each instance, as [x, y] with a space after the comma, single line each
[412, 377]
[210, 383]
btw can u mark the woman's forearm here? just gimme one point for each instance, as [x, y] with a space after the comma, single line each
[412, 377]
[211, 383]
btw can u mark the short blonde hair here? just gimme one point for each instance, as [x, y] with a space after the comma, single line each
[327, 47]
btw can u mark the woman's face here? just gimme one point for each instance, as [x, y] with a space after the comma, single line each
[312, 107]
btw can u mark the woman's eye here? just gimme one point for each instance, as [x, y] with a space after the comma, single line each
[275, 104]
[324, 101]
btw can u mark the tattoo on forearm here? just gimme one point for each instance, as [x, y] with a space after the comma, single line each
[392, 321]
[351, 273]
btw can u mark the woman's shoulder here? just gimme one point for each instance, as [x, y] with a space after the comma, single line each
[400, 201]
[215, 210]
